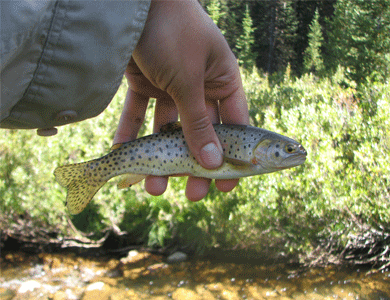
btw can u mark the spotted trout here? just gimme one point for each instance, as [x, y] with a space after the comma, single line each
[247, 151]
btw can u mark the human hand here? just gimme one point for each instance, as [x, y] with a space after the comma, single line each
[184, 62]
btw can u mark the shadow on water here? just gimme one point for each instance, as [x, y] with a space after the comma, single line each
[143, 275]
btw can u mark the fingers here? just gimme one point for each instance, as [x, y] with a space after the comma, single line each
[156, 185]
[197, 73]
[165, 112]
[198, 127]
[132, 117]
[226, 185]
[197, 188]
[234, 108]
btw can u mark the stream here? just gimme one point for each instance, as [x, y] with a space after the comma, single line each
[142, 275]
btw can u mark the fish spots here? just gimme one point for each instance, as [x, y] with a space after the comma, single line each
[160, 154]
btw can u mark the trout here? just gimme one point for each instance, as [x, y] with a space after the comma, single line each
[247, 151]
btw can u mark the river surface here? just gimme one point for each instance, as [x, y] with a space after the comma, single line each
[142, 275]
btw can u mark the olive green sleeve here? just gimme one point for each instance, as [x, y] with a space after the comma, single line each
[62, 61]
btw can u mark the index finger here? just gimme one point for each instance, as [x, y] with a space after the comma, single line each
[132, 117]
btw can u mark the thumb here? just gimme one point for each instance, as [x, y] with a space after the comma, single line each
[199, 132]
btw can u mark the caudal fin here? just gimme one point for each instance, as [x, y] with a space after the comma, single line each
[81, 188]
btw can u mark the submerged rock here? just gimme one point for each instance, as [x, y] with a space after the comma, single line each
[29, 286]
[98, 290]
[185, 294]
[95, 286]
[177, 257]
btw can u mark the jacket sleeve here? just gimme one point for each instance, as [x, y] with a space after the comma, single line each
[62, 61]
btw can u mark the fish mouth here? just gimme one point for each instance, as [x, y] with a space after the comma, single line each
[302, 150]
[294, 161]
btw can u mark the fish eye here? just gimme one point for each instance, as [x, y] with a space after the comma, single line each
[290, 148]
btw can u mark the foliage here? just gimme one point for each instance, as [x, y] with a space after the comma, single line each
[245, 42]
[346, 132]
[355, 35]
[313, 59]
[214, 11]
[359, 39]
[276, 34]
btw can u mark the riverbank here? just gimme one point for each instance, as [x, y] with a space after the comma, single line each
[143, 275]
[333, 209]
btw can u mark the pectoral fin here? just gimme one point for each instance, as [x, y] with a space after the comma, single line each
[237, 162]
[130, 179]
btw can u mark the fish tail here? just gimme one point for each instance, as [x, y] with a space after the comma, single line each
[81, 187]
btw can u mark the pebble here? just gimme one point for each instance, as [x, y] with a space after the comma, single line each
[28, 286]
[185, 294]
[145, 275]
[95, 286]
[177, 257]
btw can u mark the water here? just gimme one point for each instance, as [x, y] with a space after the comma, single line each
[146, 276]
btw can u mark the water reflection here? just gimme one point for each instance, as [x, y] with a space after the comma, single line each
[146, 276]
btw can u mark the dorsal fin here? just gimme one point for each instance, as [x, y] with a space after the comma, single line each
[174, 126]
[116, 146]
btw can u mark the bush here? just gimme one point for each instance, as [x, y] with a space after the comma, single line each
[343, 185]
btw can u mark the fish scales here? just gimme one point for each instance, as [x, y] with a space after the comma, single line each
[168, 154]
[247, 151]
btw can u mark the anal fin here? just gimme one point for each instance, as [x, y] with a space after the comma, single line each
[130, 179]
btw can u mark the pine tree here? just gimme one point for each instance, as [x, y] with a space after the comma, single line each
[246, 57]
[214, 11]
[359, 40]
[312, 58]
[276, 34]
[287, 36]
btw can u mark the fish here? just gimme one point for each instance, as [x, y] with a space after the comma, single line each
[247, 151]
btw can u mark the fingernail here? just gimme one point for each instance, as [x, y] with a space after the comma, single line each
[211, 156]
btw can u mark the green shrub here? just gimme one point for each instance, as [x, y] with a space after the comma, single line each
[344, 183]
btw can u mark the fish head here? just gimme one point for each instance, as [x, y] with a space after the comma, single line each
[274, 154]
